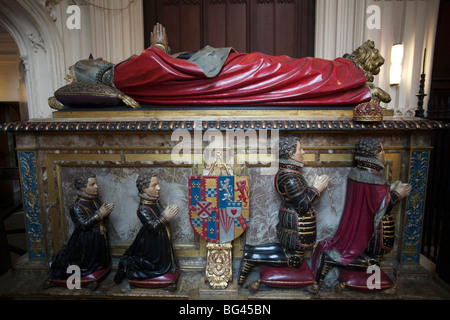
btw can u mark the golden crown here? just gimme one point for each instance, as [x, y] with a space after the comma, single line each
[368, 111]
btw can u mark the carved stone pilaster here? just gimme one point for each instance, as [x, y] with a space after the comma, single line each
[412, 230]
[28, 173]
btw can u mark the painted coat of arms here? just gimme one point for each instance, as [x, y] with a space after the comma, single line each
[219, 206]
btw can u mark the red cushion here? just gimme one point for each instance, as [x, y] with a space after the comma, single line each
[157, 282]
[283, 277]
[86, 280]
[357, 280]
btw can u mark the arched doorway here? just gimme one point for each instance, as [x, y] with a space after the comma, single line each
[33, 69]
[12, 97]
[40, 51]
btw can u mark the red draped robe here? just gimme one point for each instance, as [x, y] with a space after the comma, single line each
[155, 77]
[363, 201]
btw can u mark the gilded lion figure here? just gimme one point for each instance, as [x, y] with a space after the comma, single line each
[368, 59]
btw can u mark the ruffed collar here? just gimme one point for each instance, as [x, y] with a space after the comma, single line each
[147, 200]
[85, 196]
[368, 170]
[366, 163]
[285, 163]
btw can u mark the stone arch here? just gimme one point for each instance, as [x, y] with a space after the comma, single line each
[40, 47]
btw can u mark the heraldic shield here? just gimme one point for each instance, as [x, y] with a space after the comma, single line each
[219, 206]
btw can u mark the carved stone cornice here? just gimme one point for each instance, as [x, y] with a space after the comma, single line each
[109, 126]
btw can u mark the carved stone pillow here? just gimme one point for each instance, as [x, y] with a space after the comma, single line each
[81, 94]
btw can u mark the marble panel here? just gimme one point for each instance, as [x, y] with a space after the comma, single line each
[349, 140]
[100, 140]
[264, 204]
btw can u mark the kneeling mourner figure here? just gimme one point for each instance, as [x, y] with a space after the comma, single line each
[150, 261]
[282, 262]
[366, 229]
[88, 246]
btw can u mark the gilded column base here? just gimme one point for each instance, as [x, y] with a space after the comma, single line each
[219, 265]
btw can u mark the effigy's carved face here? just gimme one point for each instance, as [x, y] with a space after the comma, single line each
[89, 63]
[86, 69]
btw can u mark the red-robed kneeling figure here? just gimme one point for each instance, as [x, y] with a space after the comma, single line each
[222, 76]
[366, 231]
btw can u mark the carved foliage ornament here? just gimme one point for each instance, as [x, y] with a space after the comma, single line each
[219, 265]
[27, 166]
[415, 207]
[37, 43]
